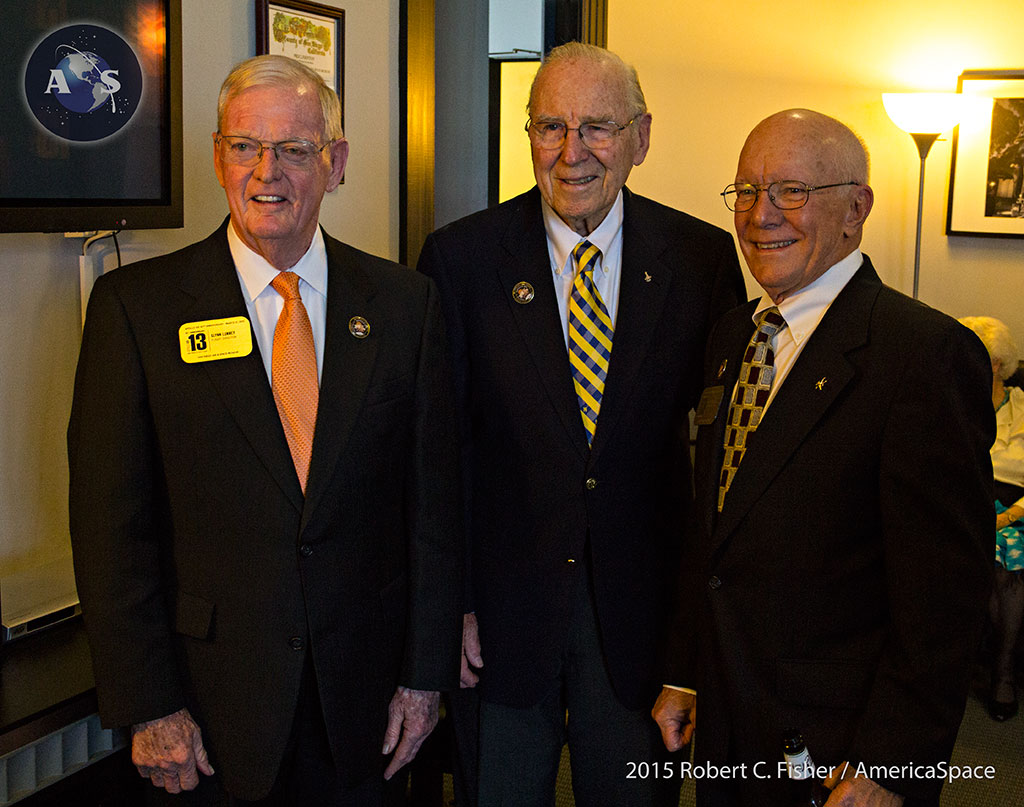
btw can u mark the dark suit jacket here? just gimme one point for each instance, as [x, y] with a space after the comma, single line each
[842, 589]
[535, 494]
[203, 572]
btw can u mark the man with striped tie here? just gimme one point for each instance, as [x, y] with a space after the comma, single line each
[837, 580]
[577, 315]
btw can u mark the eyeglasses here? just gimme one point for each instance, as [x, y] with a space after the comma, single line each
[248, 152]
[786, 194]
[551, 134]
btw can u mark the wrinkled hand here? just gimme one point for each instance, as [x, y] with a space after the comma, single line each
[675, 712]
[412, 715]
[851, 790]
[470, 652]
[169, 752]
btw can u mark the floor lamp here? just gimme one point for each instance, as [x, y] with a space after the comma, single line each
[924, 116]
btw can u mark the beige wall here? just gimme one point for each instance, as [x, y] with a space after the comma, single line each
[711, 71]
[39, 307]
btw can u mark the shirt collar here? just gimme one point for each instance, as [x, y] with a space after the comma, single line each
[563, 239]
[257, 273]
[804, 310]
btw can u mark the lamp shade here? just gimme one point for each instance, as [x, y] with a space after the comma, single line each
[923, 112]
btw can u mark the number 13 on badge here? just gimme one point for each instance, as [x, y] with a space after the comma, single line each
[214, 339]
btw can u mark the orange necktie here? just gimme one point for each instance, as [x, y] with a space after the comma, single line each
[293, 373]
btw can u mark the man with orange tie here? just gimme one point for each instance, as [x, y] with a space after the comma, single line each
[577, 315]
[263, 484]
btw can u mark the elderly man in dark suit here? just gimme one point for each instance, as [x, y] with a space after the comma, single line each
[843, 516]
[577, 315]
[264, 496]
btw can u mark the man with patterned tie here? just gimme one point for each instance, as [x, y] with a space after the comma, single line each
[838, 581]
[264, 485]
[577, 315]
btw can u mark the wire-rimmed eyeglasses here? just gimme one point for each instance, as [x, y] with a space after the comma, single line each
[786, 194]
[551, 134]
[248, 151]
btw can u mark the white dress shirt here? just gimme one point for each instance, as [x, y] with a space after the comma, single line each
[562, 240]
[264, 304]
[802, 312]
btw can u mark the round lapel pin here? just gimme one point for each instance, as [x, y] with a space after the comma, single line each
[359, 327]
[522, 292]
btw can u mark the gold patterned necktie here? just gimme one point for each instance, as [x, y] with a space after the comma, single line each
[590, 337]
[752, 391]
[293, 373]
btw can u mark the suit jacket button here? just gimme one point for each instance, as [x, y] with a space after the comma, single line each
[591, 483]
[296, 643]
[714, 582]
[305, 550]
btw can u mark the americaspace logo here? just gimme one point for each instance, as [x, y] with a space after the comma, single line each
[83, 82]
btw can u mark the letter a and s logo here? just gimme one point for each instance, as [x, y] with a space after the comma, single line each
[83, 82]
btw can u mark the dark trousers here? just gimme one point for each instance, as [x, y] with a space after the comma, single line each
[463, 706]
[520, 749]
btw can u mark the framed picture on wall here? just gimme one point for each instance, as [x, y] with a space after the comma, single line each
[311, 33]
[986, 178]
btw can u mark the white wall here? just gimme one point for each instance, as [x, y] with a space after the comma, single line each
[516, 24]
[711, 71]
[39, 305]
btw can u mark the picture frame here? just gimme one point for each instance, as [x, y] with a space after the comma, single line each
[986, 176]
[311, 33]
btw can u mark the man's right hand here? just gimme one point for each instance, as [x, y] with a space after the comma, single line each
[169, 752]
[675, 712]
[471, 657]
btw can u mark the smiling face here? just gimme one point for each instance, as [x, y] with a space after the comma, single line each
[579, 183]
[275, 208]
[788, 249]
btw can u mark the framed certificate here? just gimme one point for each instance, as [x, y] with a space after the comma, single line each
[311, 33]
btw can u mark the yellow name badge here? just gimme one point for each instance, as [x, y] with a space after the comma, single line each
[215, 339]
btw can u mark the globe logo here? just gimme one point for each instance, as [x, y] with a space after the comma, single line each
[83, 83]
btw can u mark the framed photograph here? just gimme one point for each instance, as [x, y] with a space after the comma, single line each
[986, 178]
[311, 33]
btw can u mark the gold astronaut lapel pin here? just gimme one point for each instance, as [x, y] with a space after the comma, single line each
[359, 327]
[820, 385]
[647, 277]
[522, 292]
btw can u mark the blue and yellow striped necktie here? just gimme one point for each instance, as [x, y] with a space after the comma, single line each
[590, 336]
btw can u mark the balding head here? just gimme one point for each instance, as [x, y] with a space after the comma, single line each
[838, 150]
[787, 250]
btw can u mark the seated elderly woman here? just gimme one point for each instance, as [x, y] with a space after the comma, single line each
[1007, 604]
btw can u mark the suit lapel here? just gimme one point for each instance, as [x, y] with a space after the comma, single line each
[814, 383]
[524, 257]
[241, 383]
[348, 365]
[725, 356]
[640, 307]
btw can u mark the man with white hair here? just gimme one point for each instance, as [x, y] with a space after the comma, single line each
[577, 315]
[839, 573]
[264, 502]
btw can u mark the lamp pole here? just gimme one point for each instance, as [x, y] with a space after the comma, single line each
[924, 143]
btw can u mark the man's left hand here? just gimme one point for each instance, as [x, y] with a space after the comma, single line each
[412, 715]
[849, 789]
